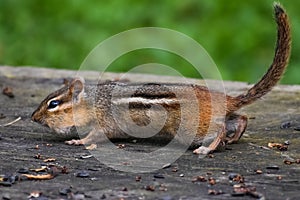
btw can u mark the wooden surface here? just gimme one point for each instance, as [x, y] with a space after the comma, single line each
[18, 149]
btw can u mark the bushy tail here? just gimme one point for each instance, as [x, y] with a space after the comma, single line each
[277, 68]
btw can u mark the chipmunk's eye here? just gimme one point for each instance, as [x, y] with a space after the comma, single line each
[53, 104]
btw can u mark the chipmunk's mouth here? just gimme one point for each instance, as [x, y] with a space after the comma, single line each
[64, 131]
[41, 122]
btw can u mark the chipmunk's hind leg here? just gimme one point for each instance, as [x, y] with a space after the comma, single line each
[229, 132]
[235, 126]
[214, 143]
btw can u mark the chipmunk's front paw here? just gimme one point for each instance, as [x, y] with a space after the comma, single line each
[202, 151]
[74, 142]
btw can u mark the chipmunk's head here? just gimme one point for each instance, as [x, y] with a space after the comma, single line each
[57, 109]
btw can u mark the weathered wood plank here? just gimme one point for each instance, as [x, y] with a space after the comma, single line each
[18, 142]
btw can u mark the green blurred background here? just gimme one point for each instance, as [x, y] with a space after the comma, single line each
[238, 35]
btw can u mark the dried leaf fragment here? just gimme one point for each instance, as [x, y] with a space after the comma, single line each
[150, 188]
[49, 160]
[279, 146]
[212, 181]
[42, 169]
[38, 177]
[175, 169]
[291, 161]
[246, 190]
[199, 179]
[236, 178]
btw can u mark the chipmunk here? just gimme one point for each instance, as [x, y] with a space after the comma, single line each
[94, 105]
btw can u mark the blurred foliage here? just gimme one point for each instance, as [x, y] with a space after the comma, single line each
[238, 35]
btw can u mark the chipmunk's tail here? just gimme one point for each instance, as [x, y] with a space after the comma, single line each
[277, 68]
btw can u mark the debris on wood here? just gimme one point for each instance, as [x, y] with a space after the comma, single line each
[85, 156]
[11, 123]
[38, 156]
[199, 179]
[121, 146]
[2, 116]
[258, 171]
[236, 178]
[8, 91]
[65, 191]
[160, 176]
[212, 181]
[210, 155]
[279, 146]
[8, 180]
[34, 194]
[64, 170]
[163, 188]
[273, 167]
[215, 192]
[175, 169]
[297, 128]
[165, 166]
[289, 161]
[242, 190]
[38, 177]
[285, 125]
[287, 142]
[23, 170]
[83, 174]
[49, 160]
[258, 146]
[138, 178]
[150, 188]
[41, 169]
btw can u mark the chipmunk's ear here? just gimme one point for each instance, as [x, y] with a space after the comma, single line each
[76, 88]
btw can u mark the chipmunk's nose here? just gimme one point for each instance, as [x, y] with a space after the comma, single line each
[34, 117]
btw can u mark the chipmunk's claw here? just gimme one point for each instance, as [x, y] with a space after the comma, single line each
[74, 142]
